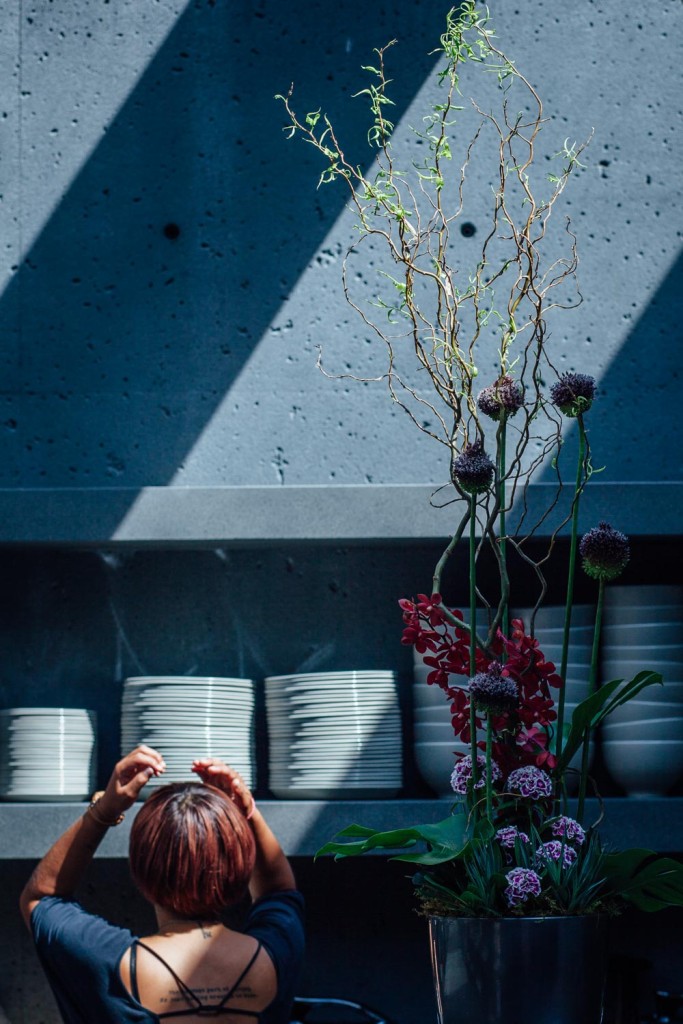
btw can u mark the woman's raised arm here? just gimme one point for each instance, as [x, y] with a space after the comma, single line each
[272, 871]
[63, 866]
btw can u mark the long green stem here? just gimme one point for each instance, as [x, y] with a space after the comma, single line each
[489, 786]
[502, 432]
[593, 685]
[473, 639]
[580, 470]
[450, 548]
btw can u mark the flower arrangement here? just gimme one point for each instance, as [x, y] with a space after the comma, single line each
[509, 846]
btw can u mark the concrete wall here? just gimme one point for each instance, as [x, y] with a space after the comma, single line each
[168, 267]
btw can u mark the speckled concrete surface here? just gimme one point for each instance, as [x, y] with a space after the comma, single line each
[170, 268]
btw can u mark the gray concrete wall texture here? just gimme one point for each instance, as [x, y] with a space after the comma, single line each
[168, 267]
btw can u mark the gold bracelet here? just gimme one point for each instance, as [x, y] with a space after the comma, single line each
[95, 799]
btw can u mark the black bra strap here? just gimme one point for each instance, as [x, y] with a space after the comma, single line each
[241, 978]
[186, 991]
[183, 988]
[134, 972]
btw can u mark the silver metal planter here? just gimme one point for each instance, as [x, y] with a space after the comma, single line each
[549, 970]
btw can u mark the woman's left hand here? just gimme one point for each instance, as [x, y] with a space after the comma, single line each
[129, 776]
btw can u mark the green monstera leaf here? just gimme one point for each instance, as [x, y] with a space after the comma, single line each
[646, 880]
[599, 705]
[445, 840]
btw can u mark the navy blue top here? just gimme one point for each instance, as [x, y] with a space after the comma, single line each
[81, 953]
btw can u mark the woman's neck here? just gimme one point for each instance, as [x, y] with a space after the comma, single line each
[169, 924]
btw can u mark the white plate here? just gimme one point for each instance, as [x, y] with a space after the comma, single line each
[360, 755]
[56, 726]
[187, 680]
[191, 699]
[332, 684]
[331, 739]
[337, 781]
[313, 779]
[201, 693]
[341, 697]
[321, 700]
[284, 792]
[198, 702]
[75, 712]
[336, 749]
[39, 797]
[346, 674]
[323, 733]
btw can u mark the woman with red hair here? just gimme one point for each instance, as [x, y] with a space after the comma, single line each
[196, 849]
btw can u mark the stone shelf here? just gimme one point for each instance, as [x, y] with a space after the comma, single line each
[302, 826]
[274, 515]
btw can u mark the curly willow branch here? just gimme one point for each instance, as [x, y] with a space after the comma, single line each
[433, 314]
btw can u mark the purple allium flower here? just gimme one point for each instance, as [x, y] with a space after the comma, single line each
[473, 469]
[605, 552]
[492, 692]
[522, 883]
[505, 395]
[570, 829]
[555, 851]
[507, 836]
[530, 782]
[573, 393]
[462, 773]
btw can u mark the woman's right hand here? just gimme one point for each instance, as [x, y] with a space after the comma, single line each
[272, 871]
[215, 772]
[128, 778]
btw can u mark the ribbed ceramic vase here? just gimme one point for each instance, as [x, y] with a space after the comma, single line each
[549, 970]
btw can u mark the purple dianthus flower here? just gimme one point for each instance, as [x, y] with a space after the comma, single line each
[569, 829]
[505, 395]
[462, 773]
[573, 393]
[555, 851]
[530, 782]
[522, 884]
[473, 469]
[605, 552]
[508, 835]
[492, 692]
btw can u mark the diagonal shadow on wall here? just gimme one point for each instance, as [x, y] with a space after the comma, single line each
[175, 245]
[640, 392]
[630, 424]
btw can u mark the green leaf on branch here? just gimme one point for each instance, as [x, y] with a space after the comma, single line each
[598, 706]
[646, 880]
[444, 840]
[355, 831]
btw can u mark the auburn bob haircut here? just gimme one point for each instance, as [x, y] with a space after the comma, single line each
[192, 850]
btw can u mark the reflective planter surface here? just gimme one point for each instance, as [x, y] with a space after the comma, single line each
[549, 970]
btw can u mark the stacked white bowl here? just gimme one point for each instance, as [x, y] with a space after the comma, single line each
[334, 735]
[435, 742]
[642, 741]
[47, 754]
[185, 717]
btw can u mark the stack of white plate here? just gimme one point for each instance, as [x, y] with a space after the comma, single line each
[334, 735]
[186, 717]
[643, 740]
[47, 754]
